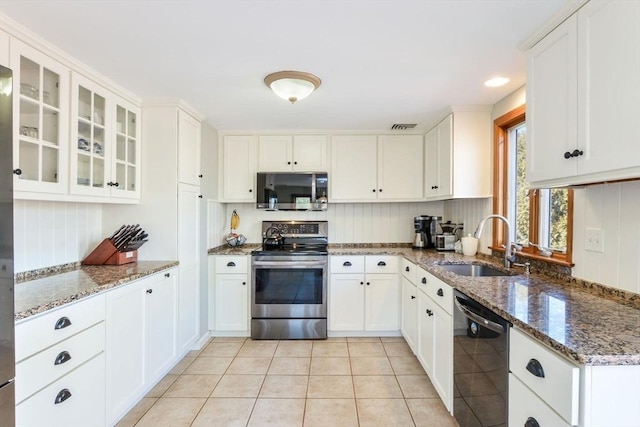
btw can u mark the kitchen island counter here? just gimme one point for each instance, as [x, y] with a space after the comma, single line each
[39, 295]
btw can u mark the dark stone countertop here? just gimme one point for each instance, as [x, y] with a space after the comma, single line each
[42, 294]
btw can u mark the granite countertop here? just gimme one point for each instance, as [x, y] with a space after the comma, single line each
[39, 295]
[586, 325]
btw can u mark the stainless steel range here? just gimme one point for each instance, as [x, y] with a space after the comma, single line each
[289, 281]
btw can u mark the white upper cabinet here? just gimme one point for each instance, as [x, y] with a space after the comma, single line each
[370, 167]
[458, 156]
[40, 122]
[105, 147]
[238, 168]
[298, 153]
[583, 96]
[91, 146]
[400, 167]
[354, 172]
[189, 149]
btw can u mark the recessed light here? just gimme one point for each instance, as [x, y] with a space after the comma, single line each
[497, 82]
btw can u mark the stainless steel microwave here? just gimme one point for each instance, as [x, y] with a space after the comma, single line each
[292, 191]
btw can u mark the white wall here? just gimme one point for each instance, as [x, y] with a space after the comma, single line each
[54, 233]
[348, 222]
[614, 209]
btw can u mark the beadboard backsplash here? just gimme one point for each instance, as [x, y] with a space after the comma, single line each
[54, 233]
[348, 222]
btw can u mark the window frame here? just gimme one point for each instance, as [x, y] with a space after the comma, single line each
[501, 127]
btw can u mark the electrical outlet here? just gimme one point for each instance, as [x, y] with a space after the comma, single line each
[594, 240]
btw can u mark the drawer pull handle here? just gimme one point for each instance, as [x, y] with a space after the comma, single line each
[346, 264]
[535, 368]
[531, 422]
[382, 263]
[424, 280]
[231, 264]
[63, 395]
[62, 323]
[440, 293]
[61, 358]
[406, 268]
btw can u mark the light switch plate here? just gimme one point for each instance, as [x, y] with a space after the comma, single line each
[594, 240]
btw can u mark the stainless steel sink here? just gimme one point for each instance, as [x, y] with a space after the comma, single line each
[473, 270]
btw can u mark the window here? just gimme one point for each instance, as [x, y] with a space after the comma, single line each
[540, 218]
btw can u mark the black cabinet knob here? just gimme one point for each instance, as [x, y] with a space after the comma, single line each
[535, 367]
[149, 291]
[244, 283]
[167, 274]
[200, 176]
[288, 163]
[250, 190]
[62, 357]
[17, 171]
[567, 154]
[440, 293]
[295, 163]
[429, 312]
[413, 297]
[531, 422]
[116, 184]
[406, 268]
[380, 190]
[62, 323]
[424, 280]
[368, 283]
[362, 283]
[200, 196]
[63, 395]
[374, 190]
[574, 153]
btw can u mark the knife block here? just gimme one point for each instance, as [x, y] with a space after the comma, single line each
[107, 254]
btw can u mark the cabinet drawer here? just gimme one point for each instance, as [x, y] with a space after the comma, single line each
[381, 264]
[347, 264]
[84, 406]
[440, 292]
[57, 325]
[47, 366]
[556, 380]
[526, 405]
[231, 264]
[409, 270]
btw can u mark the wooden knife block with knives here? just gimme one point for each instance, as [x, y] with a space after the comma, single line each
[120, 248]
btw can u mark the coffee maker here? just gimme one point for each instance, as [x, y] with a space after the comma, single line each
[422, 229]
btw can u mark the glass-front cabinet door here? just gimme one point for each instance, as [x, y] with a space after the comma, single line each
[90, 136]
[125, 166]
[40, 121]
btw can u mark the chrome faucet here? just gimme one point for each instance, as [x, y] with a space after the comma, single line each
[508, 256]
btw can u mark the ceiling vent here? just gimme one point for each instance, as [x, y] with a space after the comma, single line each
[403, 126]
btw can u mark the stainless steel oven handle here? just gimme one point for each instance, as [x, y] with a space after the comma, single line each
[495, 327]
[300, 263]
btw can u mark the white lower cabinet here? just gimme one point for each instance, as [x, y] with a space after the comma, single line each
[527, 409]
[229, 287]
[75, 400]
[364, 294]
[141, 339]
[409, 310]
[435, 337]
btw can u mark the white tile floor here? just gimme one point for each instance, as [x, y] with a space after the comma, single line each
[337, 382]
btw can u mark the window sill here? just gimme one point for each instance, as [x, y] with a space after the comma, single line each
[553, 259]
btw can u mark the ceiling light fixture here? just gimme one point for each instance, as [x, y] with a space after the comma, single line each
[292, 85]
[496, 82]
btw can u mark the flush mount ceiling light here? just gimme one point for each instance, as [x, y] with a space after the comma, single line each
[497, 82]
[292, 85]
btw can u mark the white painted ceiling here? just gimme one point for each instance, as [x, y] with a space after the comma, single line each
[380, 61]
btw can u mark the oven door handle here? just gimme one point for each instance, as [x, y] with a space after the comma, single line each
[301, 264]
[495, 327]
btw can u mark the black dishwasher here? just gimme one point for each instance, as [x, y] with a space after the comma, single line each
[480, 364]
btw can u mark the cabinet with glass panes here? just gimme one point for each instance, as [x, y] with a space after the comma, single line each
[105, 144]
[40, 124]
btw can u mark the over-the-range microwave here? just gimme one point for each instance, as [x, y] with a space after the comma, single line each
[292, 191]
